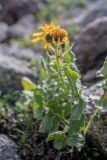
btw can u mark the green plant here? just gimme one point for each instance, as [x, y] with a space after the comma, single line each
[58, 103]
[55, 106]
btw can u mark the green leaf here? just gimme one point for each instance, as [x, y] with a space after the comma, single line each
[52, 103]
[67, 58]
[104, 101]
[72, 73]
[49, 124]
[45, 60]
[44, 64]
[76, 125]
[40, 114]
[38, 101]
[60, 143]
[56, 99]
[59, 139]
[69, 52]
[55, 135]
[28, 84]
[76, 140]
[78, 111]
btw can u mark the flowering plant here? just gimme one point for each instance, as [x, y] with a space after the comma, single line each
[58, 102]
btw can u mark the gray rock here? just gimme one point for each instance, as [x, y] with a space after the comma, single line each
[7, 149]
[14, 50]
[97, 136]
[94, 90]
[23, 28]
[90, 77]
[3, 32]
[14, 9]
[94, 9]
[16, 63]
[90, 46]
[93, 15]
[11, 72]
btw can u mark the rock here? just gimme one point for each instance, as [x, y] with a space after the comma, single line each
[94, 90]
[11, 72]
[3, 32]
[90, 46]
[14, 64]
[23, 28]
[79, 17]
[14, 50]
[93, 15]
[7, 149]
[14, 9]
[96, 9]
[97, 136]
[89, 77]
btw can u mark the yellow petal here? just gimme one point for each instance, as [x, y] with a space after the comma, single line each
[37, 34]
[36, 39]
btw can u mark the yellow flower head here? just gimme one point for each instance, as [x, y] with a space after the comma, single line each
[51, 34]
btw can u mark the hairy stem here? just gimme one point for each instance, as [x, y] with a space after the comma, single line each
[61, 76]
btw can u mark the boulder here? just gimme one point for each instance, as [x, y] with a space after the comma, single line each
[80, 17]
[7, 149]
[97, 136]
[90, 47]
[3, 32]
[13, 10]
[93, 14]
[95, 9]
[16, 63]
[23, 28]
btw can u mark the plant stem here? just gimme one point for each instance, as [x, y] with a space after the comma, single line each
[89, 125]
[60, 75]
